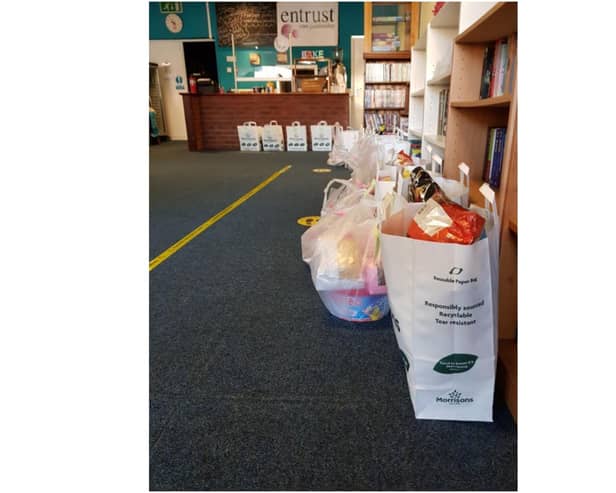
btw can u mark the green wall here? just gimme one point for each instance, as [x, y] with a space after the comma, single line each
[194, 16]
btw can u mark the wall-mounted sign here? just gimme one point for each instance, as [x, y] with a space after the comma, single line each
[251, 23]
[179, 83]
[308, 23]
[313, 53]
[171, 7]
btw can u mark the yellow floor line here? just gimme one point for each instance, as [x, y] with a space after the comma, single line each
[212, 220]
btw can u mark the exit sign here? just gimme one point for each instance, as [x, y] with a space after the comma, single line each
[171, 7]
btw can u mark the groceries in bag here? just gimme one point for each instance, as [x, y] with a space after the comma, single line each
[343, 253]
[444, 305]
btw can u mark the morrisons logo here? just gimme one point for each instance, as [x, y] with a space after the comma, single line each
[454, 398]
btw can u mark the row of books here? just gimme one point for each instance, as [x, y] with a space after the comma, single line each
[385, 42]
[494, 156]
[382, 121]
[498, 71]
[388, 72]
[443, 101]
[415, 147]
[385, 97]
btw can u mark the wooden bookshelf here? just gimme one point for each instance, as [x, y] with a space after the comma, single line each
[495, 102]
[406, 29]
[431, 63]
[468, 122]
[386, 56]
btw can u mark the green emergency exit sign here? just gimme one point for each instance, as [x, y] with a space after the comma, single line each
[171, 7]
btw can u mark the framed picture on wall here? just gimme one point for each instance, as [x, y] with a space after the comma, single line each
[255, 59]
[282, 58]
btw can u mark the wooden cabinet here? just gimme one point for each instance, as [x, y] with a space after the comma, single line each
[468, 122]
[390, 29]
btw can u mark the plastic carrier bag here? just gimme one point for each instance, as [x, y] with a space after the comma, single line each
[343, 253]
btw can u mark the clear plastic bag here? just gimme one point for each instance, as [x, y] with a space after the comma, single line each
[343, 253]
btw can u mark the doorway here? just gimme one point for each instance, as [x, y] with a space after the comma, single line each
[200, 59]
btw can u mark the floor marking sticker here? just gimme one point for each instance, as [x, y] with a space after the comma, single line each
[308, 220]
[212, 220]
[321, 170]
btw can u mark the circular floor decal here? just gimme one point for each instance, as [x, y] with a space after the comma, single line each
[321, 170]
[308, 220]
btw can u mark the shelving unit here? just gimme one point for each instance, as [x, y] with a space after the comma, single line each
[430, 75]
[469, 120]
[390, 26]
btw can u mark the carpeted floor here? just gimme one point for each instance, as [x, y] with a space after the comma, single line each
[253, 385]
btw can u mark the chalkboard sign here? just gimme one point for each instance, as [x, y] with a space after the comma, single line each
[251, 23]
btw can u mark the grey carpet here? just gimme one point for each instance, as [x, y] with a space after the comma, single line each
[253, 384]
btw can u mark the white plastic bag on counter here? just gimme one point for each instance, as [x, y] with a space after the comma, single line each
[444, 309]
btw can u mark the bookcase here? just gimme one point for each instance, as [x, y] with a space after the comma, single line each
[469, 120]
[390, 29]
[431, 62]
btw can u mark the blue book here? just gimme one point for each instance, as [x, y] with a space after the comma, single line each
[499, 147]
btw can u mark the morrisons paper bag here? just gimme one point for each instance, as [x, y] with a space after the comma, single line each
[296, 137]
[443, 300]
[249, 136]
[321, 136]
[272, 137]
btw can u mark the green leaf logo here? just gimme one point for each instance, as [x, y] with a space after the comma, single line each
[455, 363]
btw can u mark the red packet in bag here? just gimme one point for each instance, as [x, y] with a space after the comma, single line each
[446, 222]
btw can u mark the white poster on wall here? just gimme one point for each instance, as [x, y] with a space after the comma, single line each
[308, 23]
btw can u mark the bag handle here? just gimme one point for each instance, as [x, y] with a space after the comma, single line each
[464, 174]
[438, 160]
[273, 122]
[489, 198]
[322, 122]
[344, 183]
[296, 124]
[250, 124]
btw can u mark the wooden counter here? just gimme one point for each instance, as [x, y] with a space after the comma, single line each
[212, 119]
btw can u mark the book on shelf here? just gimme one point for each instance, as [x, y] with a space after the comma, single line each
[415, 146]
[497, 69]
[494, 156]
[443, 100]
[497, 163]
[486, 77]
[390, 18]
[385, 97]
[388, 72]
[382, 122]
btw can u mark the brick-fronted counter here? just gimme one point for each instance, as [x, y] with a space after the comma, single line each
[212, 119]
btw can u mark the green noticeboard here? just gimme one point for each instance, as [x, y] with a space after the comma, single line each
[171, 7]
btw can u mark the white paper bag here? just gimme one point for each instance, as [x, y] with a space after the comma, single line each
[296, 137]
[393, 144]
[443, 300]
[249, 136]
[321, 136]
[345, 139]
[272, 137]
